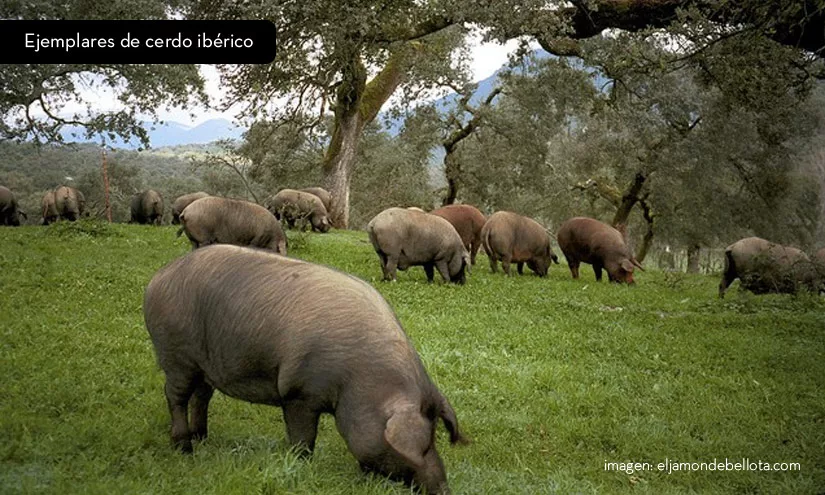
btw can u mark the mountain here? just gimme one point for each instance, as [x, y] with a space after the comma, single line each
[168, 134]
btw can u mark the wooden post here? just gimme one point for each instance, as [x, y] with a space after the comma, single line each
[106, 187]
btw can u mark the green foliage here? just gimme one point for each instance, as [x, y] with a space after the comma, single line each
[549, 377]
[36, 99]
[390, 172]
[83, 228]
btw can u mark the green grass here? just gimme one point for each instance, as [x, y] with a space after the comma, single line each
[549, 377]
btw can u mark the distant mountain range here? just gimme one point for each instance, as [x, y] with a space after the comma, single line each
[169, 134]
[174, 133]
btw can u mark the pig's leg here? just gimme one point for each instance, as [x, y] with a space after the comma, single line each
[199, 407]
[597, 269]
[505, 264]
[520, 267]
[389, 267]
[444, 270]
[301, 425]
[179, 388]
[429, 269]
[493, 265]
[574, 268]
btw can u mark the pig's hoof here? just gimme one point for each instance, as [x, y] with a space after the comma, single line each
[199, 435]
[185, 446]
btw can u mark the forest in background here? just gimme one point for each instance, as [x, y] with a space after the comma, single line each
[689, 124]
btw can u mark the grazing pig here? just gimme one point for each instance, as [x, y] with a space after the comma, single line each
[587, 240]
[323, 195]
[297, 206]
[47, 208]
[306, 338]
[513, 238]
[147, 207]
[404, 238]
[9, 210]
[69, 203]
[468, 222]
[214, 220]
[763, 267]
[182, 202]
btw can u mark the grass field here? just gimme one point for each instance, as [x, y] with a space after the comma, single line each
[551, 378]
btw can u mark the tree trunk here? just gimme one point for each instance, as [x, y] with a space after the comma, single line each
[693, 258]
[452, 171]
[648, 238]
[357, 104]
[629, 199]
[341, 157]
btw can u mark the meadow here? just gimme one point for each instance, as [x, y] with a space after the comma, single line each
[550, 378]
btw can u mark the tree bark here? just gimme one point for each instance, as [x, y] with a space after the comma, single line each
[648, 237]
[339, 166]
[357, 104]
[693, 258]
[629, 199]
[452, 170]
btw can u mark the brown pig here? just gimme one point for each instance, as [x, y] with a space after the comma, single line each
[10, 212]
[468, 222]
[587, 240]
[47, 208]
[147, 207]
[308, 339]
[763, 266]
[297, 206]
[404, 238]
[214, 220]
[513, 238]
[69, 203]
[181, 202]
[322, 194]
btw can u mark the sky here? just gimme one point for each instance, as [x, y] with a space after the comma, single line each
[486, 59]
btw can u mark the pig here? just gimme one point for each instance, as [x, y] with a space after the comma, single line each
[513, 238]
[297, 206]
[69, 203]
[10, 212]
[323, 195]
[587, 240]
[147, 207]
[181, 202]
[404, 238]
[762, 267]
[242, 321]
[468, 222]
[214, 220]
[48, 209]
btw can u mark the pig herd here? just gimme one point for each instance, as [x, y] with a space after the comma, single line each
[268, 329]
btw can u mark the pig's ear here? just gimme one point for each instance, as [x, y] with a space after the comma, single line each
[409, 434]
[451, 423]
[627, 265]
